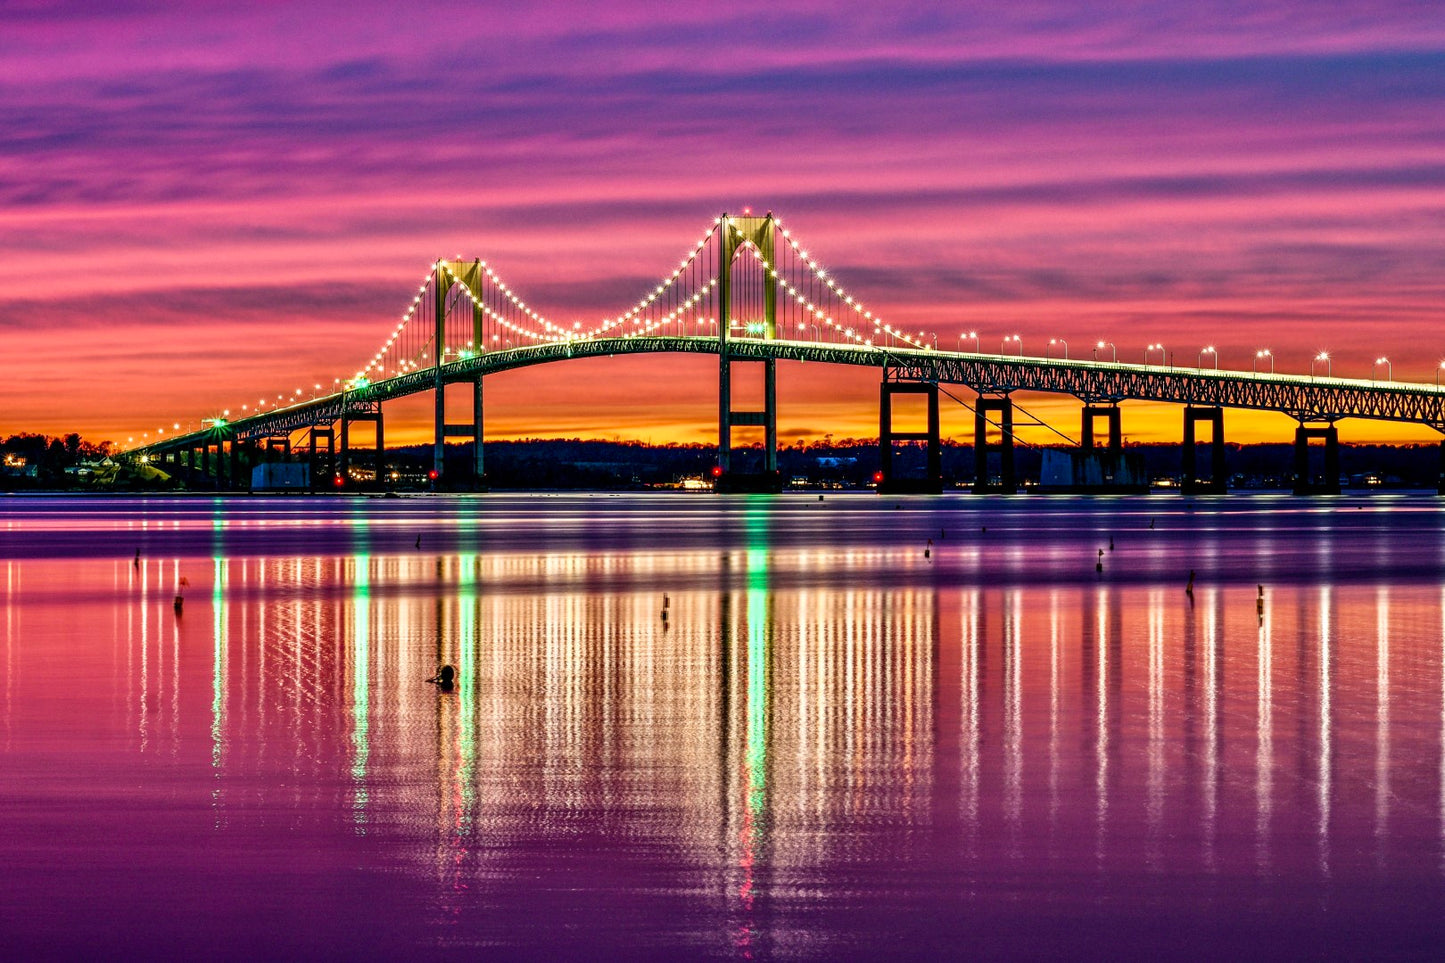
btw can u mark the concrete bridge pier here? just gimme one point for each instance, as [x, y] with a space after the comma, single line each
[222, 475]
[1110, 413]
[932, 481]
[328, 478]
[366, 411]
[768, 480]
[1002, 406]
[479, 465]
[1440, 488]
[472, 431]
[239, 480]
[1304, 483]
[1217, 483]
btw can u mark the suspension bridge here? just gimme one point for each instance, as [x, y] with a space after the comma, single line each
[749, 293]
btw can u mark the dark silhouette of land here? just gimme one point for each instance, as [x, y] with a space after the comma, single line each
[39, 462]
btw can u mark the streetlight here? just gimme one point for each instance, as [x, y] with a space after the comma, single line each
[1150, 349]
[1322, 356]
[1054, 341]
[1389, 371]
[970, 335]
[1208, 349]
[1263, 353]
[1437, 373]
[1003, 348]
[1113, 351]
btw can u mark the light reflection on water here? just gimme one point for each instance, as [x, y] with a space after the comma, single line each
[739, 728]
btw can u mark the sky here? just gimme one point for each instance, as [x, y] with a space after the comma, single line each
[204, 202]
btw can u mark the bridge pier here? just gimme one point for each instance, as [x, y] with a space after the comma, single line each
[1304, 483]
[226, 463]
[368, 411]
[1093, 468]
[1440, 488]
[332, 477]
[1003, 406]
[242, 460]
[1217, 483]
[768, 480]
[1110, 413]
[223, 474]
[932, 481]
[479, 466]
[237, 481]
[474, 432]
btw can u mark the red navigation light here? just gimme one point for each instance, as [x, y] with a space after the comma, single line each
[877, 478]
[717, 471]
[432, 474]
[337, 481]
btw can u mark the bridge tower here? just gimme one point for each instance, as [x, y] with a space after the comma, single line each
[468, 274]
[736, 234]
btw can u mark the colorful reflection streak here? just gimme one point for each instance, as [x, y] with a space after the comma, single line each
[773, 747]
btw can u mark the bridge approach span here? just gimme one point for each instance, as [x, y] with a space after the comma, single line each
[1304, 398]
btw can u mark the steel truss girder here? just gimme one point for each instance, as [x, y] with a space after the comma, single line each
[1304, 399]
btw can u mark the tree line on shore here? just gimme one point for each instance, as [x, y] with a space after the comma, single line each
[30, 460]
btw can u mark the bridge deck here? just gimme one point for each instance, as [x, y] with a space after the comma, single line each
[1305, 398]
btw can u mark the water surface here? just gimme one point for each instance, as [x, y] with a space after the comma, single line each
[750, 727]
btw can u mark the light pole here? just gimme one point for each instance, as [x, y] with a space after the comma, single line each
[1150, 349]
[1054, 341]
[1003, 348]
[1322, 356]
[1263, 353]
[1437, 373]
[1389, 371]
[1113, 351]
[1208, 349]
[972, 335]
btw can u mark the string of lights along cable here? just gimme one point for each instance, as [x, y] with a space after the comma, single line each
[747, 287]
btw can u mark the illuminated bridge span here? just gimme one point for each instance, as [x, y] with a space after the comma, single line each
[465, 323]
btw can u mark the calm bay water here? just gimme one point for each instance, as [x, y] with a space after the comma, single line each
[832, 745]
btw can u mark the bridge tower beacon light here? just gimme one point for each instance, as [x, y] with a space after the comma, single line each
[1054, 341]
